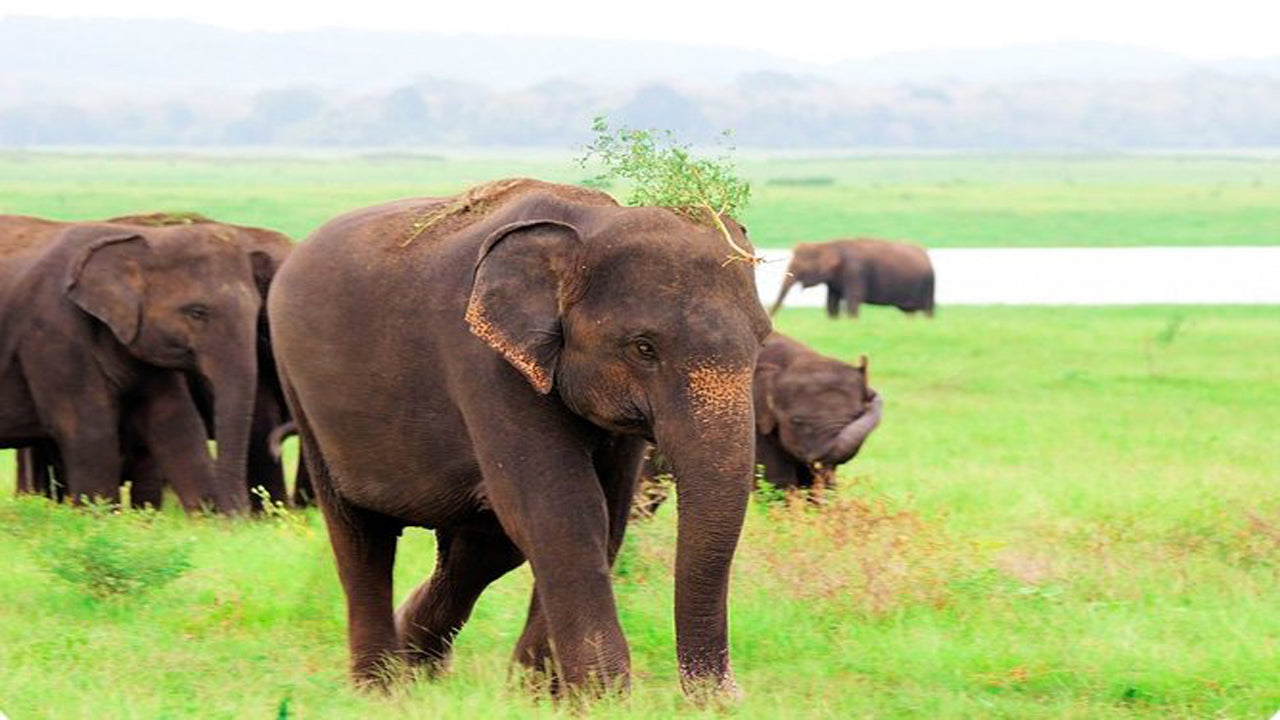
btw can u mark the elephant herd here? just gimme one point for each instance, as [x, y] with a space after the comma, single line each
[492, 366]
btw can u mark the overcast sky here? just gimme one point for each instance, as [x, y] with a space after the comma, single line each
[802, 29]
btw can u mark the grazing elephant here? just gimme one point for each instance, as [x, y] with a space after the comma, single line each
[878, 272]
[100, 323]
[813, 413]
[264, 469]
[490, 366]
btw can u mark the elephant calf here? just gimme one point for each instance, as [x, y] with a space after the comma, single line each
[813, 413]
[879, 272]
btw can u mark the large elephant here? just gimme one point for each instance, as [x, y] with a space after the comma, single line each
[879, 272]
[813, 414]
[100, 322]
[35, 463]
[490, 366]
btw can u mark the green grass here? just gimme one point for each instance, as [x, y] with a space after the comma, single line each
[1066, 513]
[943, 201]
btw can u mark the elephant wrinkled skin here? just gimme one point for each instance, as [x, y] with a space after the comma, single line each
[267, 250]
[490, 366]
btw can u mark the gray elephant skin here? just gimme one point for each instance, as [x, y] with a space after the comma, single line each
[100, 325]
[490, 366]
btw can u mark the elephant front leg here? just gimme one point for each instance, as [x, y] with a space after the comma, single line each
[86, 431]
[265, 468]
[169, 425]
[781, 470]
[35, 470]
[833, 300]
[618, 467]
[549, 499]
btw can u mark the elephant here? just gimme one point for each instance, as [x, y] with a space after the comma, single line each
[264, 468]
[813, 413]
[879, 272]
[490, 366]
[101, 323]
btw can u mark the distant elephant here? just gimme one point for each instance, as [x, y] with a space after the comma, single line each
[490, 366]
[100, 322]
[878, 272]
[813, 413]
[264, 469]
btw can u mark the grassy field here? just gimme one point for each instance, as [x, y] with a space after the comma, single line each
[940, 201]
[1067, 513]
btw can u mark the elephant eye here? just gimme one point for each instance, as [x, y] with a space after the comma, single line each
[645, 349]
[800, 421]
[196, 311]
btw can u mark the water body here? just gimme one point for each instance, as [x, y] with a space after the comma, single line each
[1079, 276]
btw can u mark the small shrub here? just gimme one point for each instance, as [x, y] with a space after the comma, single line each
[856, 553]
[100, 550]
[666, 174]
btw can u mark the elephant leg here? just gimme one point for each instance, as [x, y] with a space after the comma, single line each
[855, 290]
[467, 561]
[34, 472]
[781, 470]
[364, 550]
[265, 470]
[146, 483]
[169, 424]
[618, 466]
[565, 536]
[833, 300]
[92, 461]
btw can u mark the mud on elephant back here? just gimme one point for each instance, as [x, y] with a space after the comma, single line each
[564, 332]
[122, 340]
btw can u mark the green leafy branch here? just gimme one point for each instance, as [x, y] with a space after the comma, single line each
[664, 173]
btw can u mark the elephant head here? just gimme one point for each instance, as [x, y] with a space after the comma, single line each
[636, 322]
[182, 298]
[821, 409]
[811, 264]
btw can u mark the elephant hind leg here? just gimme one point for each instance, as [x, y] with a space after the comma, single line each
[364, 550]
[467, 562]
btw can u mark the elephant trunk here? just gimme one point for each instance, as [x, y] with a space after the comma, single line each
[712, 454]
[787, 282]
[234, 377]
[847, 443]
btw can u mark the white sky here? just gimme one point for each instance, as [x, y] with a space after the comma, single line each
[803, 29]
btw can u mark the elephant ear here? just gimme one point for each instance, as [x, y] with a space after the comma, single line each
[762, 395]
[865, 368]
[524, 276]
[830, 259]
[106, 278]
